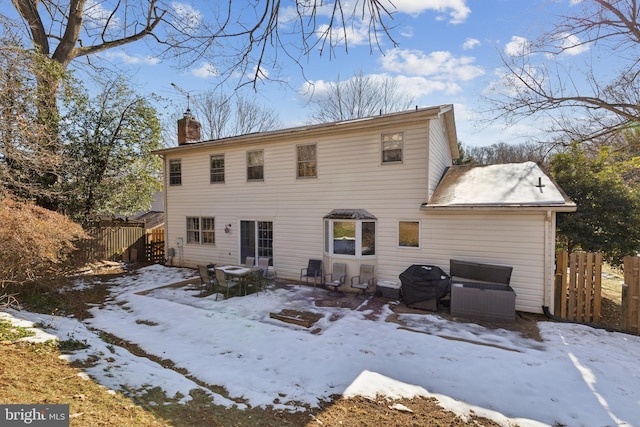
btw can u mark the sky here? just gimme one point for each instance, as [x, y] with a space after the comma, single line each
[575, 376]
[448, 52]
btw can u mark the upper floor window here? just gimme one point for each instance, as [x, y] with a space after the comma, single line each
[392, 147]
[409, 234]
[175, 172]
[307, 164]
[217, 168]
[255, 165]
[201, 230]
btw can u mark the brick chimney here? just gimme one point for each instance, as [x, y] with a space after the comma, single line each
[188, 129]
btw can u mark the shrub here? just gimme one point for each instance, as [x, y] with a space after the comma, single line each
[36, 242]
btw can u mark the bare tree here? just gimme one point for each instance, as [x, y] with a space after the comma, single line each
[244, 38]
[584, 103]
[222, 115]
[507, 153]
[360, 96]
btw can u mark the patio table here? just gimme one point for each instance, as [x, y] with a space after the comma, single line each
[241, 272]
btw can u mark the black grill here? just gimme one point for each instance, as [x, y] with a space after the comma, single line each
[423, 283]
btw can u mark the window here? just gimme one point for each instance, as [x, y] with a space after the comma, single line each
[255, 165]
[392, 147]
[175, 172]
[351, 238]
[307, 164]
[217, 168]
[201, 230]
[409, 234]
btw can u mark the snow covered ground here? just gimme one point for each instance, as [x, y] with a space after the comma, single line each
[577, 376]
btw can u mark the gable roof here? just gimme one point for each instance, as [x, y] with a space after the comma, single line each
[498, 186]
[418, 114]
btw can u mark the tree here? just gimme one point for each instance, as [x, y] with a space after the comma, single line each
[243, 38]
[108, 144]
[590, 103]
[505, 153]
[221, 115]
[608, 207]
[25, 142]
[361, 96]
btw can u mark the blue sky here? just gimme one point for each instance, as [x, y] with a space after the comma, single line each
[448, 53]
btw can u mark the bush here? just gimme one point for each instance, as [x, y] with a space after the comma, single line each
[36, 242]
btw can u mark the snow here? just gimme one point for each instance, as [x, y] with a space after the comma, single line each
[576, 376]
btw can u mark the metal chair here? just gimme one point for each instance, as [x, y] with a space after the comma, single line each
[313, 271]
[365, 280]
[335, 279]
[250, 262]
[207, 281]
[222, 282]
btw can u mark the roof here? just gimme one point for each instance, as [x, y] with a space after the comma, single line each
[152, 219]
[428, 113]
[498, 186]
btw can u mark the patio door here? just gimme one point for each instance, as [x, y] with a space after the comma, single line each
[256, 240]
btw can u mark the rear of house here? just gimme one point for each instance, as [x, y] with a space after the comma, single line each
[354, 192]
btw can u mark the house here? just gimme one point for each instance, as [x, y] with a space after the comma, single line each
[379, 190]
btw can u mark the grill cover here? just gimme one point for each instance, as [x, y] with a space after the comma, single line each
[424, 282]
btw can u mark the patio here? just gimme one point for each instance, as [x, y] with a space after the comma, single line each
[302, 309]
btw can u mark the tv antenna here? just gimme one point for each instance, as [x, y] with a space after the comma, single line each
[185, 93]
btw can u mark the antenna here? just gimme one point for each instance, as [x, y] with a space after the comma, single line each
[184, 92]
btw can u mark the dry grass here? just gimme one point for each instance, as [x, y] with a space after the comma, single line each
[612, 279]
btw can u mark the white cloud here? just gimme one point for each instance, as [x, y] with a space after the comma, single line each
[356, 34]
[186, 15]
[94, 13]
[470, 43]
[441, 64]
[572, 45]
[205, 70]
[457, 10]
[518, 46]
[131, 59]
[509, 85]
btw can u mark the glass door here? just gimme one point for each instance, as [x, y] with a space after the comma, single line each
[256, 240]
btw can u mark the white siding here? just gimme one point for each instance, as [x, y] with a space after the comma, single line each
[350, 176]
[439, 155]
[504, 239]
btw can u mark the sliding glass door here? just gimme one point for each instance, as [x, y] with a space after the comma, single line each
[256, 240]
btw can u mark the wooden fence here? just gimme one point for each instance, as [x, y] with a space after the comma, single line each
[578, 295]
[631, 295]
[123, 241]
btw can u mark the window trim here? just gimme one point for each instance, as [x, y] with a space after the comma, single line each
[249, 179]
[383, 150]
[173, 175]
[216, 171]
[314, 161]
[329, 238]
[200, 231]
[419, 223]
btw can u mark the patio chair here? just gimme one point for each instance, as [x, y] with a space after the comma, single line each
[335, 279]
[313, 271]
[207, 281]
[365, 280]
[250, 262]
[263, 265]
[225, 283]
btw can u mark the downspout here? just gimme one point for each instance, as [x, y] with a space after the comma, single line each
[166, 211]
[549, 261]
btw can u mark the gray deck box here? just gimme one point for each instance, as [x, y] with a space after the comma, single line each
[388, 289]
[482, 291]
